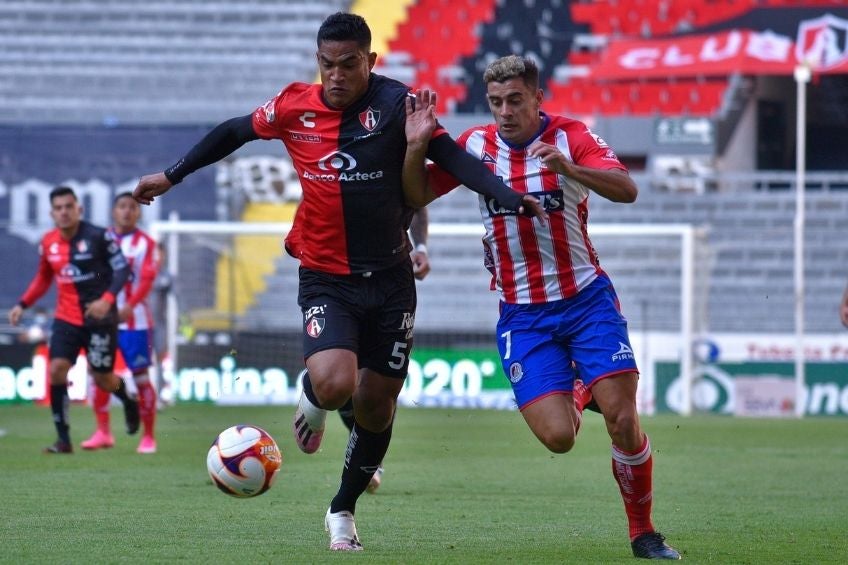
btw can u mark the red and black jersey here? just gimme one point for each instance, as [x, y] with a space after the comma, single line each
[86, 267]
[353, 218]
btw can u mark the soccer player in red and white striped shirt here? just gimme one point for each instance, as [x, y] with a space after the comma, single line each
[559, 314]
[135, 338]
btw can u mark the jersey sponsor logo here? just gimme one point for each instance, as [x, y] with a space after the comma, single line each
[305, 119]
[624, 352]
[823, 42]
[516, 372]
[99, 350]
[70, 273]
[369, 118]
[598, 139]
[306, 137]
[488, 158]
[551, 201]
[408, 324]
[338, 160]
[343, 162]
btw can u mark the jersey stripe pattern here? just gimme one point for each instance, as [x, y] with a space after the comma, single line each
[143, 257]
[82, 266]
[352, 218]
[533, 264]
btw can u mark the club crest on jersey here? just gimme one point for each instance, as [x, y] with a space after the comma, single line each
[82, 246]
[516, 371]
[369, 118]
[314, 327]
[488, 159]
[312, 323]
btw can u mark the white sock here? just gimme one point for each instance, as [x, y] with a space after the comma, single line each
[315, 417]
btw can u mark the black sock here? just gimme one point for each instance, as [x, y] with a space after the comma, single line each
[59, 402]
[307, 390]
[346, 414]
[365, 452]
[121, 391]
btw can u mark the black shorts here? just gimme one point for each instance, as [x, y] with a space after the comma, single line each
[372, 315]
[99, 342]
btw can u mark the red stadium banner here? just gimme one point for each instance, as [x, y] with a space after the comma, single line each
[820, 42]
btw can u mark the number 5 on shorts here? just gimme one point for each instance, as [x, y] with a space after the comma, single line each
[399, 354]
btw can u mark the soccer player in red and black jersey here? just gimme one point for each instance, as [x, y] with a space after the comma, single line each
[89, 270]
[559, 315]
[356, 290]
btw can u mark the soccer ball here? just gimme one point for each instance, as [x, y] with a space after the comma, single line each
[243, 461]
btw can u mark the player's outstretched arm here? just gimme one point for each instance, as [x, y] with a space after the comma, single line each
[217, 144]
[843, 308]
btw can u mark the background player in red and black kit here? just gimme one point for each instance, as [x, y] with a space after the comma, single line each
[89, 270]
[357, 291]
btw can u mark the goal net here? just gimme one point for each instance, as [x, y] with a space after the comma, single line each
[234, 327]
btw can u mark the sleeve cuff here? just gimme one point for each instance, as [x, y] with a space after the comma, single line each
[108, 297]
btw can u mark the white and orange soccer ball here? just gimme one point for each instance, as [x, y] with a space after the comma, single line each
[243, 461]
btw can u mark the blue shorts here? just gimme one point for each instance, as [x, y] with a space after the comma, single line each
[543, 347]
[135, 346]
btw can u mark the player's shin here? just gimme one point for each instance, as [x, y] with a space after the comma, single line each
[100, 405]
[633, 472]
[365, 452]
[59, 403]
[146, 403]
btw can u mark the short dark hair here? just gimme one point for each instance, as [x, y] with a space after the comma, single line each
[62, 191]
[342, 26]
[513, 66]
[120, 195]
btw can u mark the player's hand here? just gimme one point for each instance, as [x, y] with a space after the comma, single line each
[98, 309]
[552, 157]
[151, 186]
[15, 314]
[530, 206]
[843, 313]
[420, 119]
[124, 313]
[420, 264]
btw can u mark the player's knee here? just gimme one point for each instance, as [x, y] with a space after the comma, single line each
[331, 392]
[374, 414]
[59, 373]
[624, 429]
[558, 441]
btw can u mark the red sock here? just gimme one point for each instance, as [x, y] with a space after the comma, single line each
[147, 406]
[633, 472]
[100, 405]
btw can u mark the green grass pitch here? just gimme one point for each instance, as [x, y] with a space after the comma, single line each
[460, 487]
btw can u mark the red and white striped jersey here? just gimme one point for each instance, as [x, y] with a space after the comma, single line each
[143, 257]
[531, 263]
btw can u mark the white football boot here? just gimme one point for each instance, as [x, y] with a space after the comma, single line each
[342, 530]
